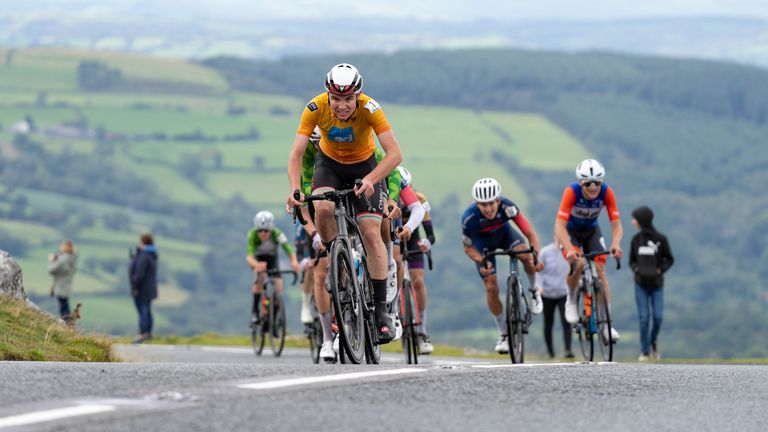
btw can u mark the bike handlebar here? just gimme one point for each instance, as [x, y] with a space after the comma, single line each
[332, 195]
[591, 257]
[510, 253]
[273, 272]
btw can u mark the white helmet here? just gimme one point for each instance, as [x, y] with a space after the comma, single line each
[343, 80]
[486, 190]
[590, 169]
[405, 176]
[264, 220]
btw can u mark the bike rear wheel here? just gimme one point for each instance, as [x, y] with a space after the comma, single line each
[276, 324]
[410, 337]
[258, 333]
[604, 324]
[315, 343]
[515, 337]
[347, 303]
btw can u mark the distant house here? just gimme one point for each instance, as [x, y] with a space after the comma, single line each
[21, 128]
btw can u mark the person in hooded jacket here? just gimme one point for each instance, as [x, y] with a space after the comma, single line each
[143, 275]
[650, 257]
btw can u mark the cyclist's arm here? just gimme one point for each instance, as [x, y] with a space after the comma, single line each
[563, 215]
[473, 254]
[467, 224]
[411, 200]
[308, 170]
[252, 245]
[430, 231]
[392, 157]
[393, 178]
[613, 215]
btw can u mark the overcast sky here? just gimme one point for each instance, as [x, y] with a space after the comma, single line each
[421, 9]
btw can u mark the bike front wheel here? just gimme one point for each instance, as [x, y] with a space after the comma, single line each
[604, 324]
[583, 328]
[515, 322]
[277, 324]
[410, 337]
[347, 303]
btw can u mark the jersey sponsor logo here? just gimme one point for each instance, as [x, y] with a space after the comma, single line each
[312, 106]
[586, 212]
[345, 135]
[372, 106]
[282, 238]
[511, 212]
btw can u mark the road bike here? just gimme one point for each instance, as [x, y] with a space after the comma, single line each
[409, 309]
[517, 308]
[593, 320]
[272, 322]
[350, 283]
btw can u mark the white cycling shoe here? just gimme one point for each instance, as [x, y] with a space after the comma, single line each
[327, 352]
[391, 281]
[306, 314]
[398, 327]
[614, 334]
[571, 312]
[425, 345]
[537, 305]
[502, 347]
[335, 344]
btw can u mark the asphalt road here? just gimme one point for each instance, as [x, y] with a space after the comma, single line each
[212, 389]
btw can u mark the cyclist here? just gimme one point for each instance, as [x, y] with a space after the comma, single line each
[263, 241]
[322, 297]
[577, 229]
[484, 226]
[415, 210]
[347, 119]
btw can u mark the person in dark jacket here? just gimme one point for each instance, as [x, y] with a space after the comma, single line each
[143, 275]
[650, 257]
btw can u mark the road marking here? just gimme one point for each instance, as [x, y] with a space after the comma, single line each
[326, 378]
[228, 350]
[494, 366]
[54, 414]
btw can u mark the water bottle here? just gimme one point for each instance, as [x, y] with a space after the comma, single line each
[358, 266]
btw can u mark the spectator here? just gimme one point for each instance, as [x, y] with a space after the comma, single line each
[61, 266]
[650, 257]
[554, 290]
[143, 275]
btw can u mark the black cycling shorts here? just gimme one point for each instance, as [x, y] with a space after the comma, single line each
[587, 241]
[415, 259]
[272, 263]
[337, 176]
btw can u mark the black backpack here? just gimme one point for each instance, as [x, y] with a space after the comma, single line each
[648, 261]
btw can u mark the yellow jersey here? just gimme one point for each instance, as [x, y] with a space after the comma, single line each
[346, 142]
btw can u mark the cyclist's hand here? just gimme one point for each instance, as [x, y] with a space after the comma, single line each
[487, 270]
[305, 264]
[404, 233]
[572, 256]
[261, 266]
[291, 202]
[395, 213]
[317, 243]
[295, 265]
[366, 188]
[425, 245]
[539, 266]
[616, 252]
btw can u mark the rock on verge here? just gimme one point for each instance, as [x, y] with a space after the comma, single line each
[10, 277]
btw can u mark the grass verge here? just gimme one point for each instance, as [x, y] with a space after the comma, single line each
[29, 334]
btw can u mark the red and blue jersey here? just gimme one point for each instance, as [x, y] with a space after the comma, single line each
[581, 213]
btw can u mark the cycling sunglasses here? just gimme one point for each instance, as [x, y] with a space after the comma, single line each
[261, 231]
[592, 182]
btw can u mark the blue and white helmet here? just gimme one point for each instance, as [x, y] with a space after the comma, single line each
[264, 220]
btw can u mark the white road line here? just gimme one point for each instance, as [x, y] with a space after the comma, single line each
[494, 366]
[54, 414]
[326, 378]
[228, 350]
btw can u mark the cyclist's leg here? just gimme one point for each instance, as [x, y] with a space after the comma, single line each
[323, 299]
[416, 272]
[325, 178]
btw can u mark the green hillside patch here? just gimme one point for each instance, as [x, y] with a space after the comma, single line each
[31, 335]
[169, 181]
[116, 315]
[34, 234]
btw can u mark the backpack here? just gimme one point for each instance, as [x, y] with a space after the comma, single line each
[648, 262]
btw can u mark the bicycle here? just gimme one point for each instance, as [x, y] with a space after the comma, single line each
[313, 330]
[517, 310]
[593, 319]
[350, 282]
[272, 319]
[408, 306]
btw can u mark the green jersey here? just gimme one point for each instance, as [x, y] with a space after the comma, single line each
[268, 247]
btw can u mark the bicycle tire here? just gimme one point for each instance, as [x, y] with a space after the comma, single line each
[349, 313]
[410, 336]
[606, 344]
[372, 350]
[276, 324]
[586, 342]
[515, 337]
[258, 335]
[315, 342]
